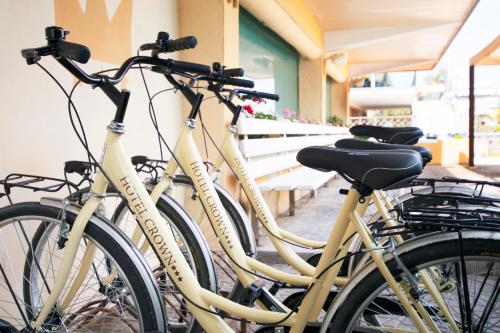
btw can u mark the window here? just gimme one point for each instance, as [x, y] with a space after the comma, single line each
[271, 62]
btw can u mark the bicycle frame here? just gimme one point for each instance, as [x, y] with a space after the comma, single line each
[188, 156]
[121, 173]
[231, 154]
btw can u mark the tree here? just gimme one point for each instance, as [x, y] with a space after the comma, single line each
[437, 77]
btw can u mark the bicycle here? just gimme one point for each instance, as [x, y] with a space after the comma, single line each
[406, 165]
[230, 154]
[377, 197]
[129, 295]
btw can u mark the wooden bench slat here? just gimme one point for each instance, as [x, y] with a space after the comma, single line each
[259, 147]
[266, 156]
[304, 179]
[269, 165]
[250, 126]
[317, 181]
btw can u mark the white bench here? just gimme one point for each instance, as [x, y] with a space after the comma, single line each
[270, 147]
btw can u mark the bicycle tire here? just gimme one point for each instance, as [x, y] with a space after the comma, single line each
[185, 228]
[415, 254]
[115, 246]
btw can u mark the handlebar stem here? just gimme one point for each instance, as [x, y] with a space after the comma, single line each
[196, 106]
[122, 106]
[236, 115]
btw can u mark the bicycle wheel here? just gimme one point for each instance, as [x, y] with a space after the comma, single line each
[227, 283]
[195, 250]
[129, 303]
[366, 304]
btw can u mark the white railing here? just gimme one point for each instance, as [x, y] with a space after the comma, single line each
[487, 144]
[252, 126]
[393, 121]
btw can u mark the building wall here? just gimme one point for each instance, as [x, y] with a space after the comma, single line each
[35, 132]
[215, 25]
[340, 100]
[312, 90]
[302, 15]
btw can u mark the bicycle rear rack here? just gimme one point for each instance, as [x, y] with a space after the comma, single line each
[418, 219]
[478, 185]
[38, 184]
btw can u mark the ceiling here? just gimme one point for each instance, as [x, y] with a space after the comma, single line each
[490, 55]
[389, 35]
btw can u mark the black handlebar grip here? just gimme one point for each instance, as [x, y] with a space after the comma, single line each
[190, 67]
[148, 46]
[183, 43]
[233, 72]
[72, 51]
[239, 82]
[264, 95]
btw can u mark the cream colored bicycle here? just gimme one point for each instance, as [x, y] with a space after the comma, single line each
[397, 276]
[230, 154]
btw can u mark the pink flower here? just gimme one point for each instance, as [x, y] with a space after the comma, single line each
[248, 108]
[302, 119]
[287, 113]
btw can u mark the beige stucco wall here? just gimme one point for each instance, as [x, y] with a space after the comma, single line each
[35, 133]
[312, 90]
[215, 23]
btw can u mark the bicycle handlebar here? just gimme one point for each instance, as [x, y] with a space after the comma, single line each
[72, 51]
[163, 44]
[257, 94]
[221, 72]
[233, 72]
[237, 82]
[65, 52]
[211, 77]
[183, 43]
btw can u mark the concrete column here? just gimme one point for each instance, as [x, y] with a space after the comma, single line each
[215, 23]
[312, 90]
[340, 100]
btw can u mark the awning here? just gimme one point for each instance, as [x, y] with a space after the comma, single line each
[490, 55]
[375, 35]
[389, 35]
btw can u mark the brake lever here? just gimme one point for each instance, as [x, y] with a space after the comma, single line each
[32, 56]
